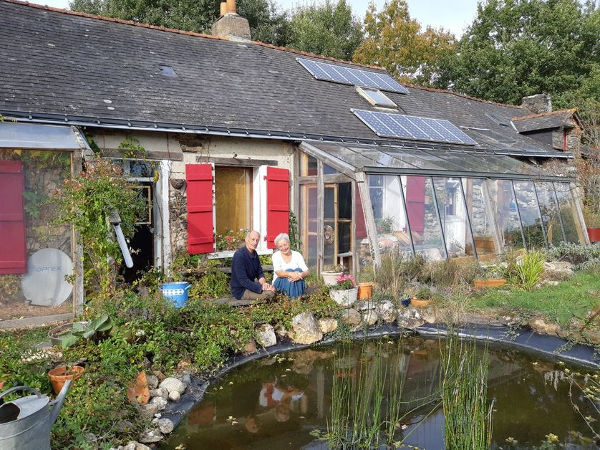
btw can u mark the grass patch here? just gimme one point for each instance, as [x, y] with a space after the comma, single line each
[572, 298]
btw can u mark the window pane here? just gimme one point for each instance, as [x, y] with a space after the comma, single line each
[481, 222]
[550, 212]
[501, 194]
[424, 224]
[308, 165]
[530, 214]
[568, 213]
[308, 223]
[453, 214]
[365, 258]
[392, 232]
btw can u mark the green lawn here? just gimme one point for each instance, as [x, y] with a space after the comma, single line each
[573, 298]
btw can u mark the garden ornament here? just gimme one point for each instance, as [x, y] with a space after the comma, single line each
[25, 422]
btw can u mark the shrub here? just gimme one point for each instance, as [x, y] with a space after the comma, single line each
[574, 253]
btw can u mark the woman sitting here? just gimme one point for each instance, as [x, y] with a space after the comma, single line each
[289, 268]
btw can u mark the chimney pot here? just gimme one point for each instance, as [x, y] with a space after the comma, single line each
[223, 9]
[231, 6]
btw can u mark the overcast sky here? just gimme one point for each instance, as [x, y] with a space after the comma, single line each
[452, 15]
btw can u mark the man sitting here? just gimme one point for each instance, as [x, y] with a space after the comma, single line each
[246, 270]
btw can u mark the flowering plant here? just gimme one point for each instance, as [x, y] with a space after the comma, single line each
[231, 240]
[345, 281]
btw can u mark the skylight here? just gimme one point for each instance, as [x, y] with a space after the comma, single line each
[375, 97]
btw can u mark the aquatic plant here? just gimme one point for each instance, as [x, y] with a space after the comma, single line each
[464, 378]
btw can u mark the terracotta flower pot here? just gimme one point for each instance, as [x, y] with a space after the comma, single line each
[365, 290]
[492, 282]
[420, 303]
[594, 234]
[59, 375]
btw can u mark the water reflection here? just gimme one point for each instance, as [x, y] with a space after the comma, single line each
[286, 401]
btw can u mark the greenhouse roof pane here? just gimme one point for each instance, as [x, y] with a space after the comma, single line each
[40, 137]
[396, 159]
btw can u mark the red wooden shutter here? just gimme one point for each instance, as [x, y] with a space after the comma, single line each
[278, 203]
[199, 190]
[12, 218]
[415, 203]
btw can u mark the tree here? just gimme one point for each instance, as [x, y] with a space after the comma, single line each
[266, 23]
[328, 29]
[396, 42]
[516, 48]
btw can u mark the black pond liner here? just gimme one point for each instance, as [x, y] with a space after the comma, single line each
[522, 339]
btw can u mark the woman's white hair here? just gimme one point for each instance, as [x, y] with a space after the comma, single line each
[281, 236]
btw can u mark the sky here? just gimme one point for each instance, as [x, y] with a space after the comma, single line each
[453, 15]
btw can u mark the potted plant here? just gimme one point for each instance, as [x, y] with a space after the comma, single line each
[330, 273]
[365, 285]
[344, 292]
[422, 298]
[591, 215]
[494, 277]
[59, 375]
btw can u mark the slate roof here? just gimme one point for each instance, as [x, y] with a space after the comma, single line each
[544, 121]
[67, 67]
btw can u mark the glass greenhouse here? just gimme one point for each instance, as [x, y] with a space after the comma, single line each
[358, 202]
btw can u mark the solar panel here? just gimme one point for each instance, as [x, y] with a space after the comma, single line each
[413, 127]
[348, 75]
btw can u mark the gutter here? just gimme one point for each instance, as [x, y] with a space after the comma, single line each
[171, 127]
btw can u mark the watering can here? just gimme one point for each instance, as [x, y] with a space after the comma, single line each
[25, 423]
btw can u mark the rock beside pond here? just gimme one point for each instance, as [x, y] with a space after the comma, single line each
[151, 436]
[305, 329]
[174, 396]
[540, 326]
[160, 402]
[147, 411]
[165, 425]
[133, 445]
[160, 392]
[265, 335]
[369, 317]
[558, 270]
[173, 384]
[152, 381]
[351, 317]
[386, 311]
[365, 305]
[327, 325]
[249, 348]
[428, 314]
[409, 318]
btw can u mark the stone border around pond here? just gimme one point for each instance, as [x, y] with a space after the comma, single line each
[526, 340]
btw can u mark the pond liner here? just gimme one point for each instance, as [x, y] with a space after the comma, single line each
[523, 339]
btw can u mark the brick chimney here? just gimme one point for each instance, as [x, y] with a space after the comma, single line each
[539, 103]
[230, 24]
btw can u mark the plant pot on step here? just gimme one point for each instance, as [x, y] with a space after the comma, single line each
[344, 297]
[329, 278]
[365, 290]
[420, 303]
[489, 283]
[59, 375]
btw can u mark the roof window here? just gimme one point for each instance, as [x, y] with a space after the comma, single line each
[167, 71]
[375, 97]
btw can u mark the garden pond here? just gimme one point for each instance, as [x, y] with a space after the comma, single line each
[303, 398]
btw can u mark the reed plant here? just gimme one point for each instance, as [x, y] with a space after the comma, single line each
[530, 269]
[467, 415]
[367, 410]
